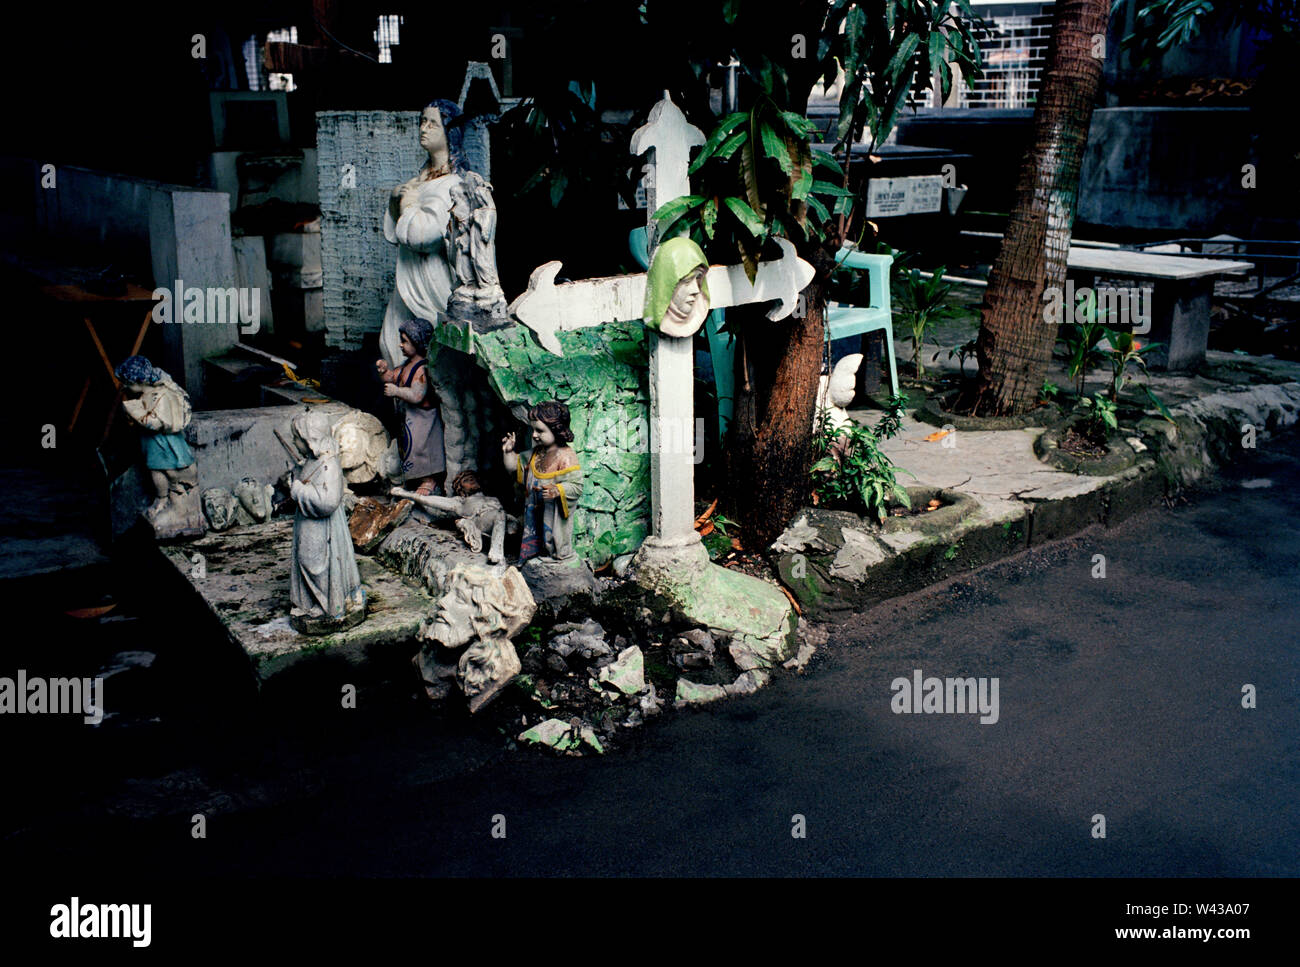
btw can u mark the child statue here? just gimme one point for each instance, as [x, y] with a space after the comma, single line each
[324, 585]
[424, 461]
[161, 409]
[552, 482]
[476, 513]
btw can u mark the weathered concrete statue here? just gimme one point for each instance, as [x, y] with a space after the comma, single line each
[443, 223]
[324, 585]
[482, 610]
[161, 410]
[476, 513]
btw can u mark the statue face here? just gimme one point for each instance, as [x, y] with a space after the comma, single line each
[219, 507]
[543, 436]
[454, 624]
[432, 135]
[687, 308]
[254, 498]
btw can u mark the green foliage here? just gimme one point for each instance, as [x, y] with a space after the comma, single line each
[889, 50]
[1048, 392]
[849, 469]
[1124, 351]
[921, 301]
[1082, 353]
[755, 178]
[1158, 403]
[891, 423]
[1100, 416]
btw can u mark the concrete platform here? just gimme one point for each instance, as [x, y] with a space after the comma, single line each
[244, 584]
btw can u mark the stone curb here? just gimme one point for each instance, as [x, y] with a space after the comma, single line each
[835, 562]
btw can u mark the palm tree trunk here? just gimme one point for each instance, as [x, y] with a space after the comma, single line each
[1015, 340]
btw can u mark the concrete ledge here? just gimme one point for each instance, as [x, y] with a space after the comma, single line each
[244, 584]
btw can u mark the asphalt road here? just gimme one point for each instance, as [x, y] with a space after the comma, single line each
[1119, 696]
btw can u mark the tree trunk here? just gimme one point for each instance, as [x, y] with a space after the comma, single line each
[1015, 340]
[769, 445]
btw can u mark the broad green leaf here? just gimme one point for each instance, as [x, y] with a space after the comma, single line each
[725, 127]
[746, 215]
[826, 160]
[732, 143]
[855, 29]
[901, 56]
[774, 147]
[818, 208]
[671, 210]
[827, 188]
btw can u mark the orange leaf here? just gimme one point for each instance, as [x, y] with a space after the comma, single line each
[937, 435]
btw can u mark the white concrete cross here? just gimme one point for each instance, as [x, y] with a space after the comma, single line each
[549, 309]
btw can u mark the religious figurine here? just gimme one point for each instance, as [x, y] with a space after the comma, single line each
[255, 501]
[552, 482]
[483, 610]
[365, 449]
[324, 585]
[476, 513]
[677, 293]
[478, 296]
[421, 443]
[161, 409]
[438, 252]
[220, 507]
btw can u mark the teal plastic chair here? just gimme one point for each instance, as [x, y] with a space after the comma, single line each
[845, 320]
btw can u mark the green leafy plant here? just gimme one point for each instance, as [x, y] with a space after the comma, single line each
[1100, 417]
[756, 176]
[1082, 350]
[1125, 351]
[850, 469]
[891, 423]
[961, 353]
[1048, 392]
[921, 302]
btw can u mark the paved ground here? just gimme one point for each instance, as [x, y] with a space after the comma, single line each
[1118, 696]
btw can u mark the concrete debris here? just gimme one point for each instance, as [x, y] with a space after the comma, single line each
[627, 674]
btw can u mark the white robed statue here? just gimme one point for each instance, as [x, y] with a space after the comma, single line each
[325, 589]
[438, 255]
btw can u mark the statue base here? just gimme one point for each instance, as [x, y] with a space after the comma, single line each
[306, 624]
[557, 581]
[679, 575]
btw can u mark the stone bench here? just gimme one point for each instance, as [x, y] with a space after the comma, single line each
[1180, 300]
